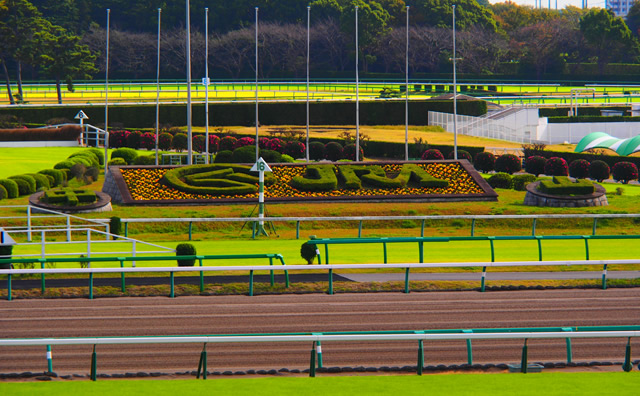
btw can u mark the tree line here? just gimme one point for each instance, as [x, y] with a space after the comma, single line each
[64, 40]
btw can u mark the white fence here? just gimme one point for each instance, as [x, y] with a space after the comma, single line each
[519, 128]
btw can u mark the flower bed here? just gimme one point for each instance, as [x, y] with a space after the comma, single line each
[144, 185]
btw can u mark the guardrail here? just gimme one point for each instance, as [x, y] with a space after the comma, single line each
[316, 339]
[328, 267]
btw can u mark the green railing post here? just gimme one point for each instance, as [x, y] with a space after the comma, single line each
[298, 229]
[539, 239]
[122, 281]
[421, 251]
[190, 230]
[360, 229]
[604, 277]
[473, 227]
[384, 251]
[422, 229]
[126, 229]
[91, 286]
[202, 365]
[533, 227]
[569, 350]
[524, 362]
[201, 276]
[469, 348]
[406, 280]
[330, 281]
[173, 284]
[9, 296]
[319, 351]
[326, 254]
[627, 366]
[250, 282]
[49, 359]
[483, 279]
[312, 361]
[271, 272]
[586, 246]
[94, 365]
[595, 225]
[420, 357]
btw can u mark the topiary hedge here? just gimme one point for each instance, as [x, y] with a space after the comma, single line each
[127, 154]
[556, 166]
[186, 249]
[244, 154]
[42, 181]
[316, 178]
[462, 154]
[29, 180]
[57, 175]
[562, 185]
[12, 188]
[519, 182]
[3, 192]
[24, 188]
[118, 162]
[214, 179]
[224, 157]
[500, 180]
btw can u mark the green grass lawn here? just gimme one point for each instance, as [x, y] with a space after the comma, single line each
[549, 384]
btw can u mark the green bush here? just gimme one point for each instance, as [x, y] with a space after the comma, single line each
[128, 154]
[66, 164]
[118, 162]
[562, 185]
[224, 157]
[56, 174]
[42, 181]
[180, 142]
[186, 249]
[520, 182]
[214, 179]
[287, 159]
[333, 151]
[316, 178]
[484, 161]
[508, 163]
[134, 140]
[500, 180]
[316, 151]
[579, 169]
[535, 165]
[11, 186]
[24, 188]
[5, 252]
[98, 153]
[599, 171]
[244, 155]
[69, 197]
[462, 154]
[92, 157]
[308, 251]
[164, 141]
[29, 179]
[271, 156]
[145, 160]
[115, 225]
[3, 192]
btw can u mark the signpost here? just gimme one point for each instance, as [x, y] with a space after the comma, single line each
[82, 116]
[261, 166]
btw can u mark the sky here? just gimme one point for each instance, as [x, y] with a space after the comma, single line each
[561, 3]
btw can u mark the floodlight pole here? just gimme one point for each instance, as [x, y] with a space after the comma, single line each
[357, 95]
[189, 128]
[106, 100]
[158, 88]
[206, 85]
[257, 130]
[406, 90]
[455, 90]
[308, 46]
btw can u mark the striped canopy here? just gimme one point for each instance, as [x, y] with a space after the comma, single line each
[603, 140]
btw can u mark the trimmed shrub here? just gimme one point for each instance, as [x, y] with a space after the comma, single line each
[11, 186]
[599, 171]
[245, 141]
[316, 178]
[227, 143]
[223, 157]
[276, 144]
[333, 151]
[295, 149]
[66, 164]
[29, 179]
[214, 142]
[484, 161]
[263, 143]
[145, 160]
[624, 172]
[86, 158]
[165, 140]
[431, 155]
[349, 152]
[148, 141]
[199, 143]
[556, 166]
[244, 155]
[24, 188]
[215, 179]
[186, 249]
[287, 159]
[271, 156]
[562, 185]
[308, 251]
[316, 151]
[118, 139]
[98, 153]
[117, 162]
[42, 181]
[535, 165]
[520, 182]
[500, 180]
[56, 174]
[127, 154]
[134, 140]
[462, 154]
[579, 169]
[3, 193]
[508, 163]
[180, 142]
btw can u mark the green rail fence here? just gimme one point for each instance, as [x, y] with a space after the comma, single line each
[316, 338]
[43, 262]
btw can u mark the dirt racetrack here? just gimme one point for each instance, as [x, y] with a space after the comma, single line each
[311, 313]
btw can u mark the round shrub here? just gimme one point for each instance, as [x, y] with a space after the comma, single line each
[484, 161]
[186, 249]
[500, 180]
[125, 153]
[180, 141]
[556, 166]
[98, 153]
[3, 193]
[599, 171]
[308, 251]
[66, 164]
[520, 182]
[245, 141]
[134, 140]
[118, 139]
[276, 144]
[579, 169]
[535, 165]
[11, 186]
[56, 174]
[95, 159]
[349, 152]
[295, 149]
[224, 157]
[148, 141]
[115, 225]
[462, 154]
[30, 180]
[164, 141]
[87, 159]
[508, 163]
[333, 151]
[214, 142]
[199, 143]
[42, 181]
[271, 156]
[316, 151]
[624, 172]
[263, 143]
[117, 162]
[244, 155]
[431, 155]
[227, 143]
[145, 160]
[287, 158]
[23, 187]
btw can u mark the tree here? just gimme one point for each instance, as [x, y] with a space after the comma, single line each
[607, 36]
[633, 18]
[439, 13]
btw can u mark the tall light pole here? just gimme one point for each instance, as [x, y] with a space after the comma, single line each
[406, 90]
[308, 40]
[158, 88]
[257, 137]
[455, 90]
[189, 129]
[206, 85]
[357, 96]
[106, 99]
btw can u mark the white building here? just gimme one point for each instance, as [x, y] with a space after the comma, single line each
[619, 7]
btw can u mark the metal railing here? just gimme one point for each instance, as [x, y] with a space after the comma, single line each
[315, 361]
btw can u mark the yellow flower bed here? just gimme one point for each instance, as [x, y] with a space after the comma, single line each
[144, 184]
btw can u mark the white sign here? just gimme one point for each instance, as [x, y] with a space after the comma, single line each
[206, 81]
[260, 166]
[81, 116]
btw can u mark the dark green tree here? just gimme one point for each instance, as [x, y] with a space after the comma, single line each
[633, 19]
[439, 13]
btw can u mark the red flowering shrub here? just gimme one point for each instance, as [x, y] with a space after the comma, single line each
[624, 172]
[245, 141]
[484, 161]
[333, 151]
[462, 154]
[263, 143]
[199, 143]
[535, 165]
[214, 141]
[579, 169]
[118, 139]
[508, 163]
[164, 141]
[432, 154]
[556, 166]
[276, 144]
[599, 171]
[133, 139]
[349, 152]
[295, 149]
[227, 143]
[148, 141]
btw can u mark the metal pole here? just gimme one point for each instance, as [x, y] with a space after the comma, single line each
[357, 96]
[189, 131]
[106, 97]
[206, 86]
[455, 91]
[257, 137]
[308, 40]
[406, 90]
[158, 88]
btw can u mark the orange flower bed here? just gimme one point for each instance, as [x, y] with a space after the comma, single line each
[144, 185]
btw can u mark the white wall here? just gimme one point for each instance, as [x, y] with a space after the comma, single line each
[52, 143]
[572, 133]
